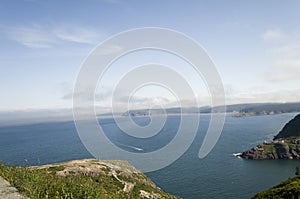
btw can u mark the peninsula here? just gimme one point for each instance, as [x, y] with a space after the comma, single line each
[285, 145]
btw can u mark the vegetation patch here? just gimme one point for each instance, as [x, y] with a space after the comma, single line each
[269, 148]
[56, 168]
[286, 189]
[39, 183]
[105, 169]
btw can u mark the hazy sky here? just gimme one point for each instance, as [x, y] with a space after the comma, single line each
[254, 44]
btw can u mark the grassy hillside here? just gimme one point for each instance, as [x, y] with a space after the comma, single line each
[291, 129]
[87, 178]
[286, 189]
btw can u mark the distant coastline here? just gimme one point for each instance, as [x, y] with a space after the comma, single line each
[249, 114]
[237, 110]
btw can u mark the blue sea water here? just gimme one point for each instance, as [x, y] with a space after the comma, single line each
[218, 175]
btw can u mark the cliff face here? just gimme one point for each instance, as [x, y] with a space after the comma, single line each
[286, 145]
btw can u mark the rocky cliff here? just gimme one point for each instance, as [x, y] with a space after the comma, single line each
[286, 145]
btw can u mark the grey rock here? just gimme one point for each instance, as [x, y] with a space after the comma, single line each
[9, 192]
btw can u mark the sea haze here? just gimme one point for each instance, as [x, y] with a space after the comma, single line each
[220, 174]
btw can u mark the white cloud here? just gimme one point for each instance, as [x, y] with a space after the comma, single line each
[78, 35]
[293, 63]
[274, 35]
[284, 57]
[36, 36]
[108, 50]
[32, 37]
[283, 70]
[260, 94]
[282, 75]
[291, 49]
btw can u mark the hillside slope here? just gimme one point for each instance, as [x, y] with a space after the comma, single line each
[87, 178]
[286, 189]
[291, 129]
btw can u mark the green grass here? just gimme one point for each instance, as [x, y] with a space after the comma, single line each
[45, 183]
[56, 168]
[286, 189]
[269, 148]
[106, 170]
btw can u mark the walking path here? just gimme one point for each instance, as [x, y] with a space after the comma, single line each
[8, 192]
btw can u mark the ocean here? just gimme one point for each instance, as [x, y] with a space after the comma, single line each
[218, 175]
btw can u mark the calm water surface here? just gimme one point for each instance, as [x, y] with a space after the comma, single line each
[220, 174]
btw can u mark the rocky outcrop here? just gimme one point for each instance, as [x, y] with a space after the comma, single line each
[278, 149]
[9, 192]
[286, 145]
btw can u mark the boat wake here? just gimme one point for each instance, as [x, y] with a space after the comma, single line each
[129, 146]
[237, 155]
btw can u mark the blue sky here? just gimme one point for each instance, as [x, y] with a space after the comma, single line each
[255, 45]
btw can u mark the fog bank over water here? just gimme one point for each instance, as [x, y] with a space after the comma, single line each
[20, 117]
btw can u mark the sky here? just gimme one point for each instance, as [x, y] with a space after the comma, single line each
[255, 46]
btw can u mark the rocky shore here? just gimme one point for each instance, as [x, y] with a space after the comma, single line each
[277, 149]
[285, 145]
